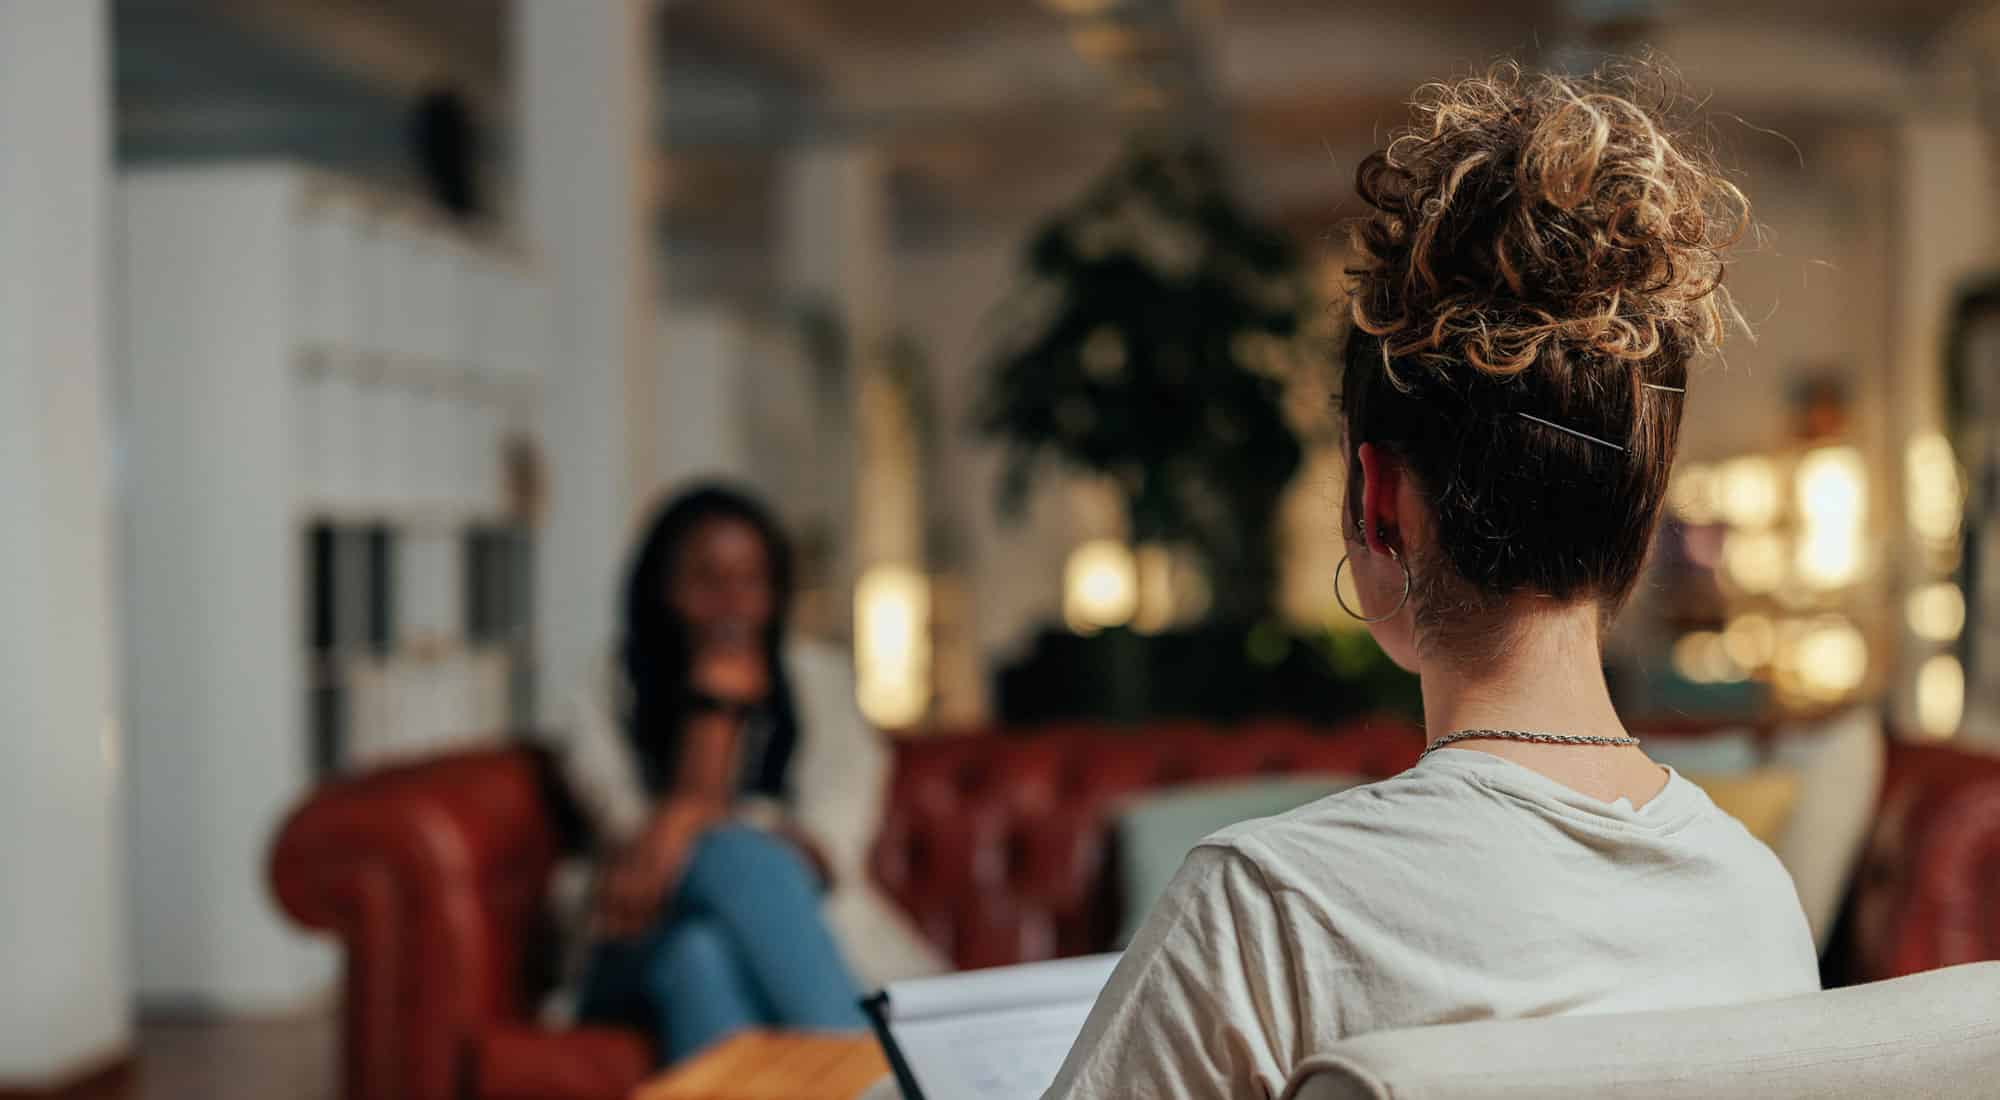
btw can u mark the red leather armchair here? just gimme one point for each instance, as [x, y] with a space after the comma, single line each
[1927, 893]
[433, 876]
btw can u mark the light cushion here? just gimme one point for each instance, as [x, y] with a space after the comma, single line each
[1934, 1035]
[1839, 762]
[1762, 800]
[1724, 752]
[1156, 831]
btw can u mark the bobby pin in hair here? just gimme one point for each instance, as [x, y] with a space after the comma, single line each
[1664, 389]
[1570, 431]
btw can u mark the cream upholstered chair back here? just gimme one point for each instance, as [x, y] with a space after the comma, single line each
[1934, 1036]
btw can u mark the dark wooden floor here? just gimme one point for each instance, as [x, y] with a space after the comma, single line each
[291, 1058]
[225, 1060]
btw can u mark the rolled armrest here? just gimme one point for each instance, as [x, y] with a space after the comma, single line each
[432, 876]
[1927, 893]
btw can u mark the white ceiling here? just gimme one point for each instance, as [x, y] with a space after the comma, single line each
[987, 109]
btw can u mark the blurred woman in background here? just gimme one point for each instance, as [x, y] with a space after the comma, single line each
[735, 791]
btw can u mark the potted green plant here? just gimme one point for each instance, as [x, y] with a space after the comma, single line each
[1146, 345]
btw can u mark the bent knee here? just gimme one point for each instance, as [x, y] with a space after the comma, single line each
[692, 953]
[731, 856]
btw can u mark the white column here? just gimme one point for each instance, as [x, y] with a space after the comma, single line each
[701, 403]
[585, 85]
[63, 952]
[835, 256]
[1945, 238]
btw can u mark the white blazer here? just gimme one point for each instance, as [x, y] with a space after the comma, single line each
[838, 775]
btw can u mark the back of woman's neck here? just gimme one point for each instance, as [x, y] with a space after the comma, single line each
[1543, 672]
[1546, 677]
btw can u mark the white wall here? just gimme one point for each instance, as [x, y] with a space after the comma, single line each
[700, 427]
[63, 950]
[1812, 296]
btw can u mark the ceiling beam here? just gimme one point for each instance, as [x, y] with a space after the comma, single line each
[1739, 64]
[1341, 59]
[378, 45]
[799, 39]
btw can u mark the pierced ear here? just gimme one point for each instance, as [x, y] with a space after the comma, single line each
[1386, 541]
[1378, 495]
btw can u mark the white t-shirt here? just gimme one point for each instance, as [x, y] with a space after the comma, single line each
[1465, 888]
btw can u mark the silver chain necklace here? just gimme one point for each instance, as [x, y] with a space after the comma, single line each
[1525, 735]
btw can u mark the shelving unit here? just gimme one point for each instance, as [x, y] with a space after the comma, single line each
[323, 387]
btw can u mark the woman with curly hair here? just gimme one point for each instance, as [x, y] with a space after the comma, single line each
[1540, 260]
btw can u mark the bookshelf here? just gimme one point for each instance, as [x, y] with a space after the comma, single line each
[323, 388]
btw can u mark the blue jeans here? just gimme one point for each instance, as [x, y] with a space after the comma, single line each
[741, 945]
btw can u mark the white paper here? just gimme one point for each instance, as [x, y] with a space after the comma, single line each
[998, 1034]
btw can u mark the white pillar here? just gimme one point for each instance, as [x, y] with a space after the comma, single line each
[63, 953]
[836, 256]
[585, 85]
[1945, 238]
[701, 406]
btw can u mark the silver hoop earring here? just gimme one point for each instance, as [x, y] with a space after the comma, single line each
[1386, 615]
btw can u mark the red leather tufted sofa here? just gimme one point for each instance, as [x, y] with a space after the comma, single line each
[998, 846]
[432, 875]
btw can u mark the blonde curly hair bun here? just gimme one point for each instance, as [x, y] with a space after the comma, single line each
[1540, 258]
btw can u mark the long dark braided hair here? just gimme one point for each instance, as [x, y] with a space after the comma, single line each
[657, 652]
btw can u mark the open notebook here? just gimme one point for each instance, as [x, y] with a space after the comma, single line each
[998, 1034]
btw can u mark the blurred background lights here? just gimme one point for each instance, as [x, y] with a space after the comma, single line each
[1100, 586]
[1830, 660]
[1750, 641]
[1940, 695]
[1748, 491]
[1932, 489]
[1936, 612]
[1832, 486]
[1693, 494]
[1829, 557]
[1701, 657]
[1754, 560]
[1832, 492]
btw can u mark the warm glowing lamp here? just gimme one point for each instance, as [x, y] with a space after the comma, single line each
[1832, 486]
[892, 646]
[1100, 586]
[1829, 557]
[1832, 492]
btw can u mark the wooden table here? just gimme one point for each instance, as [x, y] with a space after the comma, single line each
[771, 1065]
